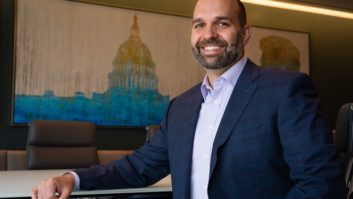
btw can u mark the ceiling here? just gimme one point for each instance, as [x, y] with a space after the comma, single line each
[346, 5]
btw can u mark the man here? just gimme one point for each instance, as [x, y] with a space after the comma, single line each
[249, 133]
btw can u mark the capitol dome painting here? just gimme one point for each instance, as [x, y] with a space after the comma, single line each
[131, 99]
[133, 66]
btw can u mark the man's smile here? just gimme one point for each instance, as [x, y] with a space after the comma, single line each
[210, 49]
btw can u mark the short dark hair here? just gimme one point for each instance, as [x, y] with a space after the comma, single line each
[241, 13]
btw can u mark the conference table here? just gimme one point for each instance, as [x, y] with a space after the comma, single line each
[18, 184]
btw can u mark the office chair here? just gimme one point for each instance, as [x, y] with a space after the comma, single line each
[61, 145]
[343, 137]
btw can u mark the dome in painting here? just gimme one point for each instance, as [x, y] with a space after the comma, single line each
[134, 51]
[133, 67]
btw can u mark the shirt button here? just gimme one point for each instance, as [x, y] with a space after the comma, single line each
[216, 101]
[204, 187]
[210, 127]
[205, 156]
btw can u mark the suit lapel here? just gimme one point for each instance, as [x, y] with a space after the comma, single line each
[242, 93]
[187, 132]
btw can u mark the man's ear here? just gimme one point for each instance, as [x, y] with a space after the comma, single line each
[246, 34]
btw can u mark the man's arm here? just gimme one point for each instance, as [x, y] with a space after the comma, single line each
[146, 166]
[315, 167]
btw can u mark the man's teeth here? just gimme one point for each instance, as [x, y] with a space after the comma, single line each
[211, 47]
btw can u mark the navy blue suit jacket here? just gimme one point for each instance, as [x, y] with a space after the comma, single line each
[272, 143]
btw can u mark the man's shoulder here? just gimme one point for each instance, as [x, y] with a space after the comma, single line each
[279, 75]
[275, 78]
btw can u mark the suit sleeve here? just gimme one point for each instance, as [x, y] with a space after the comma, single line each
[145, 166]
[315, 167]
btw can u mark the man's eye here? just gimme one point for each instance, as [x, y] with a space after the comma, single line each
[198, 26]
[223, 24]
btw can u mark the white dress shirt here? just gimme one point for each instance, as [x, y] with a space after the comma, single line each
[211, 113]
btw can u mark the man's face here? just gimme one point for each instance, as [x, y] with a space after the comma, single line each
[217, 39]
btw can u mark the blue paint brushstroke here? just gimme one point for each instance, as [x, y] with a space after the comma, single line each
[115, 107]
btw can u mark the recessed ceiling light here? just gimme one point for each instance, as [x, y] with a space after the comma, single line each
[301, 8]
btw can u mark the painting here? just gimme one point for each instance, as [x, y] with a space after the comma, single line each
[107, 65]
[279, 49]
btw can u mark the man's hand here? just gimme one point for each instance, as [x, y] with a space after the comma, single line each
[55, 187]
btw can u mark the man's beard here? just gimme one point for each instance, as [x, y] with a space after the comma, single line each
[231, 55]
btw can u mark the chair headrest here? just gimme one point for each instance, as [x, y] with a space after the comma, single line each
[61, 133]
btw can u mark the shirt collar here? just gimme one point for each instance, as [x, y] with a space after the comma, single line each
[231, 76]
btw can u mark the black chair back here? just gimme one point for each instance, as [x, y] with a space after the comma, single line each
[344, 142]
[344, 132]
[61, 145]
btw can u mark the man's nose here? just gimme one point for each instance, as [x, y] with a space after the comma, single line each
[210, 32]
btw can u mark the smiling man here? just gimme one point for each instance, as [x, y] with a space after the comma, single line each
[245, 132]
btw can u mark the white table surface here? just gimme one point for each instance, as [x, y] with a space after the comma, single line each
[20, 183]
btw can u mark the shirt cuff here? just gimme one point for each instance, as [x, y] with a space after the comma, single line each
[77, 180]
